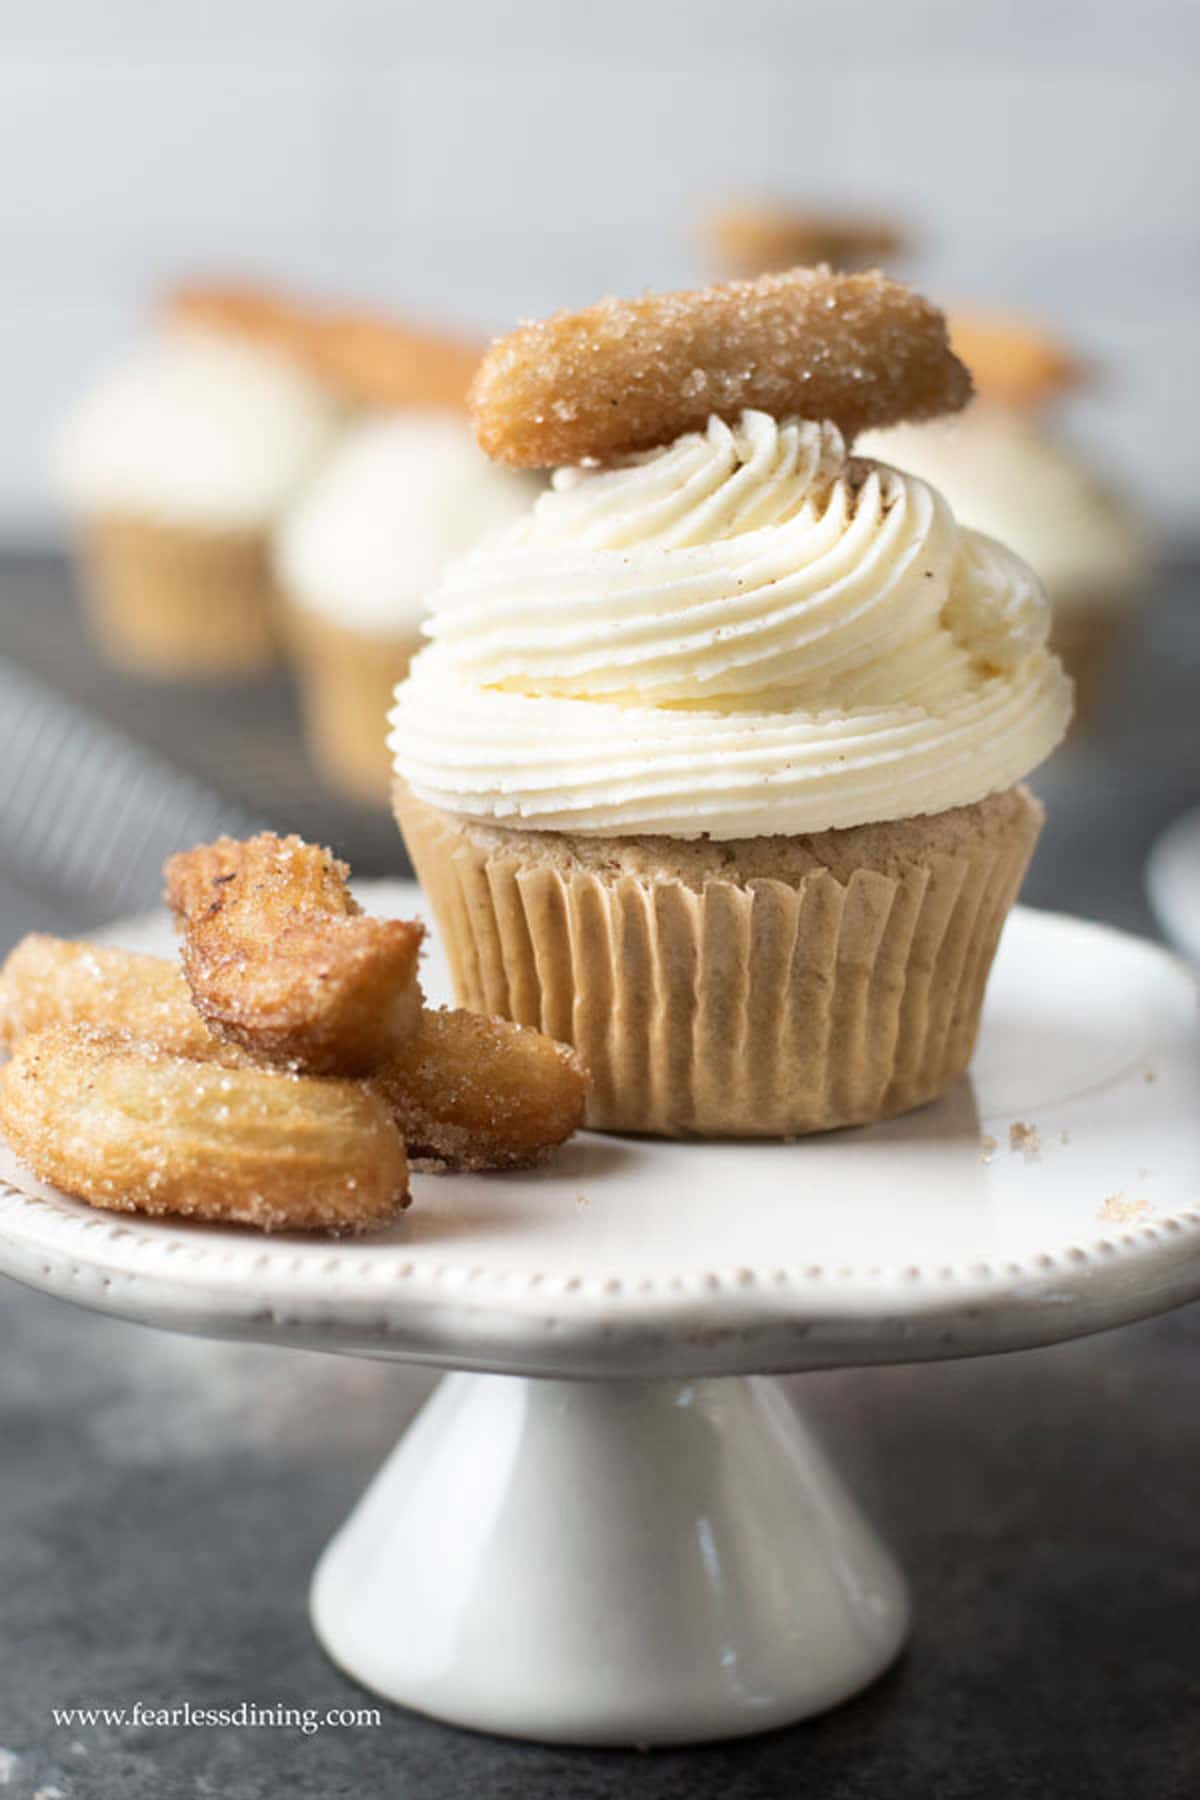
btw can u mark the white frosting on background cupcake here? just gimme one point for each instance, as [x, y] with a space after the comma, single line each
[195, 428]
[1004, 473]
[744, 633]
[402, 495]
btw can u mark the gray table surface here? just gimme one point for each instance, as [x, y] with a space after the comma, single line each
[162, 1500]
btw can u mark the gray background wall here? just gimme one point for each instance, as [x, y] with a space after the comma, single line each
[483, 160]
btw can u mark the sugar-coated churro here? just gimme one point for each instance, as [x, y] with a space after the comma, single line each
[280, 959]
[757, 237]
[467, 1092]
[55, 981]
[371, 359]
[1012, 361]
[470, 1092]
[627, 375]
[127, 1126]
[261, 315]
[386, 362]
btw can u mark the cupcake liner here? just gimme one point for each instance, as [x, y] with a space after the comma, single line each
[347, 683]
[765, 988]
[177, 601]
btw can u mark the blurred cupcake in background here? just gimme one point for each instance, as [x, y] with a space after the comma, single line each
[748, 237]
[1007, 469]
[355, 558]
[176, 465]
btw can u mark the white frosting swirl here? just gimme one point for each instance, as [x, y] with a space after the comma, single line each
[746, 633]
[400, 496]
[1005, 473]
[195, 428]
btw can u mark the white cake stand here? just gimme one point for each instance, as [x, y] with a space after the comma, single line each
[649, 1554]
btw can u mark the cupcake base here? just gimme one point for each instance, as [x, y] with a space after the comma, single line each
[347, 683]
[173, 601]
[766, 987]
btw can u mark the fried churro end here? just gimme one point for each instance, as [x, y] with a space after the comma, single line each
[629, 375]
[473, 1093]
[280, 959]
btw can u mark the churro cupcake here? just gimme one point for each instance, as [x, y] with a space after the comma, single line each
[712, 764]
[1007, 469]
[175, 467]
[354, 560]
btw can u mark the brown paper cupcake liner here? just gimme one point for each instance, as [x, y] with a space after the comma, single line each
[174, 601]
[764, 988]
[347, 681]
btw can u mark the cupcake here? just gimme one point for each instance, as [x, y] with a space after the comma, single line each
[712, 764]
[1008, 470]
[175, 467]
[354, 559]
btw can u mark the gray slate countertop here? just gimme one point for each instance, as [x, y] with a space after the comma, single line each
[162, 1500]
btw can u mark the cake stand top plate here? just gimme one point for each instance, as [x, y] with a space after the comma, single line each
[1055, 1192]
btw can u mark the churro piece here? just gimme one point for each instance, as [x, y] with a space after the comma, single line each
[1012, 361]
[470, 1092]
[368, 358]
[131, 1128]
[263, 316]
[759, 237]
[625, 375]
[386, 363]
[54, 981]
[280, 959]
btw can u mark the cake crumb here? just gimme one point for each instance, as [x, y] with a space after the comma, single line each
[1150, 1075]
[987, 1149]
[1064, 1137]
[1117, 1210]
[1024, 1137]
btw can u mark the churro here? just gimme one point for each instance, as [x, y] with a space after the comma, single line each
[1012, 361]
[280, 959]
[758, 237]
[127, 1126]
[54, 981]
[386, 363]
[227, 1090]
[469, 1092]
[263, 316]
[369, 359]
[627, 375]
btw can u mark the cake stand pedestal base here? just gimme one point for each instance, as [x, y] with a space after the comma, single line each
[610, 1562]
